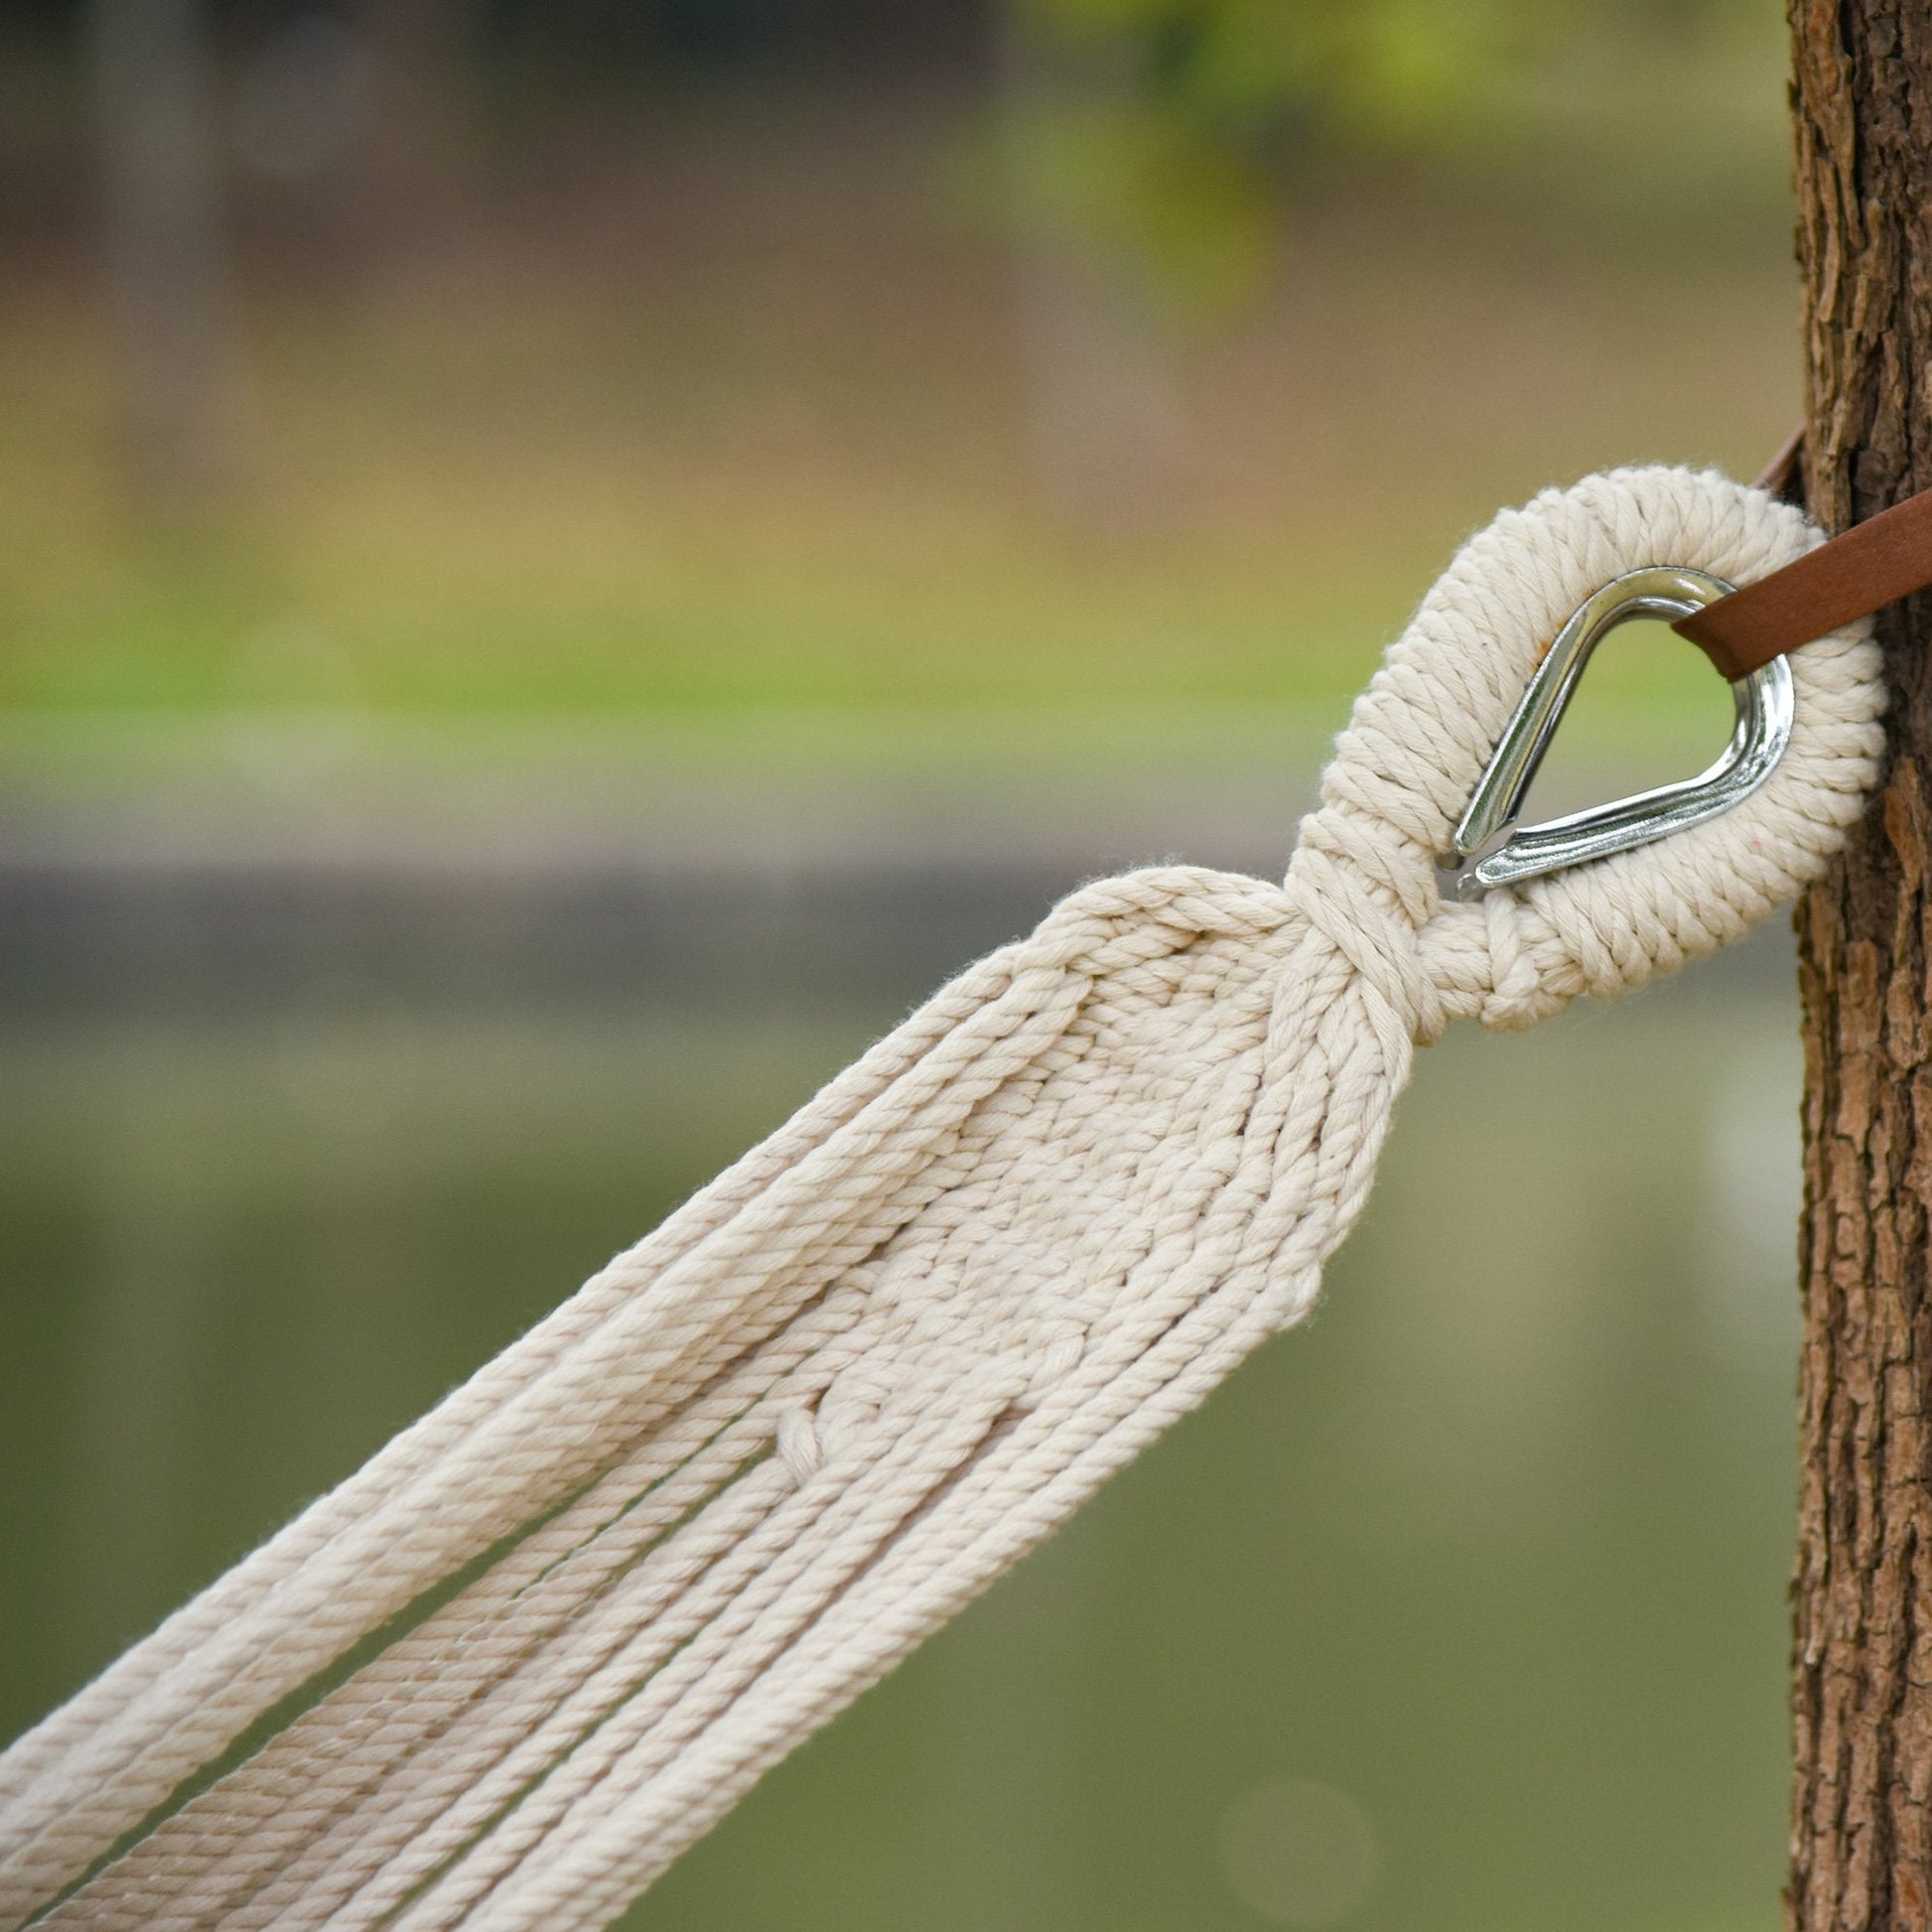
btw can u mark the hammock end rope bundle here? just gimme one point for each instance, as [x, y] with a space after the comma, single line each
[760, 1456]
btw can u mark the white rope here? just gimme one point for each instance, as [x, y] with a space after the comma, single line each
[767, 1450]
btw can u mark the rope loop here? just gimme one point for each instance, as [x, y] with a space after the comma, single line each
[1421, 734]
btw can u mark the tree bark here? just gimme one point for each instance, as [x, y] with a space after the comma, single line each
[1862, 1817]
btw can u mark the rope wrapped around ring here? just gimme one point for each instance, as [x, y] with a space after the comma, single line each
[758, 1456]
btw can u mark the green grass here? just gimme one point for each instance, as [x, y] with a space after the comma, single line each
[771, 448]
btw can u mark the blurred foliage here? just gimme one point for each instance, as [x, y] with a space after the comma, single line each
[1158, 140]
[698, 398]
[1263, 76]
[1132, 193]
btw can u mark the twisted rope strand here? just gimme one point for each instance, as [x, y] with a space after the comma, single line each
[770, 1448]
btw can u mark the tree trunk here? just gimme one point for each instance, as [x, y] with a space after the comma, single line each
[1861, 1819]
[165, 256]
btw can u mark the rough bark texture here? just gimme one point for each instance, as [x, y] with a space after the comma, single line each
[1862, 1828]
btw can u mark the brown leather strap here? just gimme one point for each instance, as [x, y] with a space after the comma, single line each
[1871, 565]
[1784, 474]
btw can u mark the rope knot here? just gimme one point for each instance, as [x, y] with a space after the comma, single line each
[1350, 879]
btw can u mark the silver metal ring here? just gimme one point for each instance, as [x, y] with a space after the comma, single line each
[1765, 711]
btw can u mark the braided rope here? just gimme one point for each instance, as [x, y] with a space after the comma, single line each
[766, 1451]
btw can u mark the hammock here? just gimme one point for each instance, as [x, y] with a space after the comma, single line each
[508, 1670]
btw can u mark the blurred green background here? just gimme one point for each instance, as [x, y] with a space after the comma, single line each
[560, 565]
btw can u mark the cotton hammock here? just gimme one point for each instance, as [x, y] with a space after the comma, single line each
[508, 1670]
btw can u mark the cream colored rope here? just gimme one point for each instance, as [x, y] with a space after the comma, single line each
[762, 1453]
